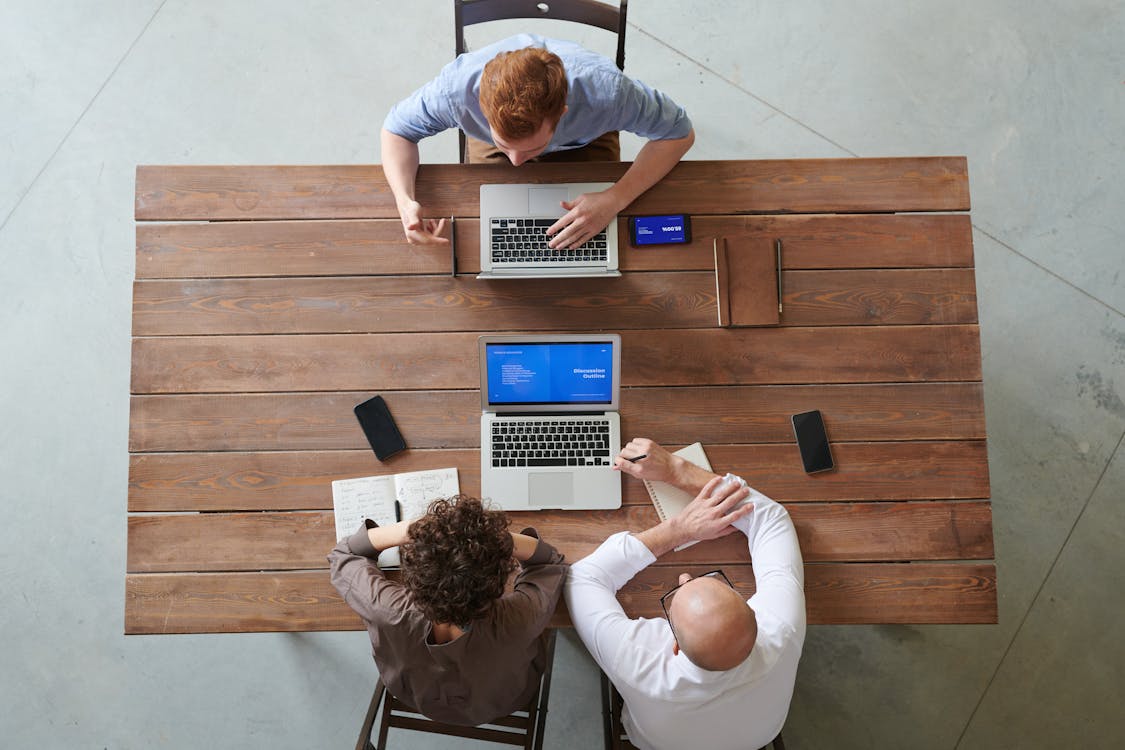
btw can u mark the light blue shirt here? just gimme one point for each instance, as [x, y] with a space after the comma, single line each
[600, 99]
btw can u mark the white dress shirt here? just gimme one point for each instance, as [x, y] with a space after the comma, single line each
[670, 703]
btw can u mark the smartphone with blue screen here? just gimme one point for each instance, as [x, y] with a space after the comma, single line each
[667, 229]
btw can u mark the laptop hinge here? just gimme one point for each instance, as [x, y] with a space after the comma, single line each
[552, 414]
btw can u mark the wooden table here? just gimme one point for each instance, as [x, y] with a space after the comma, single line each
[271, 300]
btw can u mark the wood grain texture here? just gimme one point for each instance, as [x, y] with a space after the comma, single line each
[305, 600]
[186, 193]
[283, 248]
[377, 247]
[449, 419]
[290, 480]
[423, 304]
[827, 532]
[744, 356]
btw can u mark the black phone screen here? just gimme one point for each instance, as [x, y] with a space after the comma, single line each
[812, 440]
[380, 428]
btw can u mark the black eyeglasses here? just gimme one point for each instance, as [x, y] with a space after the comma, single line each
[668, 596]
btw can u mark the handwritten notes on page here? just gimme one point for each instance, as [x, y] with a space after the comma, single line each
[374, 497]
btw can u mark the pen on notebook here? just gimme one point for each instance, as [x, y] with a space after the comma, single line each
[634, 459]
[398, 510]
[778, 246]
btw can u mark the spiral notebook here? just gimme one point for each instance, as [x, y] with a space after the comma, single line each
[669, 500]
[375, 497]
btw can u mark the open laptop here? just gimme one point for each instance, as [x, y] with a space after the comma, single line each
[513, 240]
[549, 427]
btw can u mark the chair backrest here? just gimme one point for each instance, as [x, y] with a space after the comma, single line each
[588, 12]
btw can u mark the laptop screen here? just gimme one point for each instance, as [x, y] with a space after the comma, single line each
[540, 373]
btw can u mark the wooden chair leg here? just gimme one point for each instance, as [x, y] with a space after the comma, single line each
[364, 741]
[545, 692]
[607, 713]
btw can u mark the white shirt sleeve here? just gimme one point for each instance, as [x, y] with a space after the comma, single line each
[779, 571]
[591, 595]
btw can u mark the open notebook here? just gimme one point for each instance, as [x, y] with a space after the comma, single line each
[669, 500]
[374, 497]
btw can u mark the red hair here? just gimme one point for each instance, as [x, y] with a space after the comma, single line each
[522, 89]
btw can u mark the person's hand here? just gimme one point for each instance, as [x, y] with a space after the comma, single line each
[657, 465]
[711, 514]
[421, 231]
[586, 215]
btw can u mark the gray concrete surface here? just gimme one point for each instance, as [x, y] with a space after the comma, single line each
[1033, 92]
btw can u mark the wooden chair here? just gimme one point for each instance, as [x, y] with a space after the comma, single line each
[615, 737]
[521, 728]
[588, 12]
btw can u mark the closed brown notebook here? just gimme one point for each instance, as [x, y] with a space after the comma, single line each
[747, 281]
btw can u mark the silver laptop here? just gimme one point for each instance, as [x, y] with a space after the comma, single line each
[549, 428]
[513, 241]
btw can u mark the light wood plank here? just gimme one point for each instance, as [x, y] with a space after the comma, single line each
[305, 600]
[448, 419]
[837, 532]
[295, 481]
[442, 303]
[184, 193]
[744, 356]
[377, 247]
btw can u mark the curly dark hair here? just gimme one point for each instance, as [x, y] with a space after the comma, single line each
[457, 559]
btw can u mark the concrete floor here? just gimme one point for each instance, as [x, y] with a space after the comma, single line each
[1032, 91]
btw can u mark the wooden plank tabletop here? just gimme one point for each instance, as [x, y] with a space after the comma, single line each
[270, 300]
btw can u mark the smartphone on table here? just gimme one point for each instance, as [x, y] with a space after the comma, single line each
[380, 428]
[812, 441]
[667, 229]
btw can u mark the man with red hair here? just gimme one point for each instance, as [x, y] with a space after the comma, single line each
[532, 98]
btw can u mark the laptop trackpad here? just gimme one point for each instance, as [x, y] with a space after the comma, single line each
[544, 201]
[550, 489]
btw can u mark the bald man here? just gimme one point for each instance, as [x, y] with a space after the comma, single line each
[719, 671]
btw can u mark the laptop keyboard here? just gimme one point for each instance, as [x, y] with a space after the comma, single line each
[578, 442]
[525, 241]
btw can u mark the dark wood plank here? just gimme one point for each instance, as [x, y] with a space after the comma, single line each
[357, 248]
[745, 356]
[449, 419]
[870, 532]
[283, 248]
[178, 193]
[305, 600]
[822, 242]
[443, 303]
[295, 481]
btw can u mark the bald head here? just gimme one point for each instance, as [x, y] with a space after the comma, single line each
[714, 626]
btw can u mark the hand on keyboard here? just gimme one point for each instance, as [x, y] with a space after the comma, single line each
[586, 215]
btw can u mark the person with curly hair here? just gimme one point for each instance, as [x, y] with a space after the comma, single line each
[448, 640]
[532, 98]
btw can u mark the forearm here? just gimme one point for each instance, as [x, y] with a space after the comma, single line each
[663, 538]
[385, 537]
[523, 546]
[654, 160]
[400, 166]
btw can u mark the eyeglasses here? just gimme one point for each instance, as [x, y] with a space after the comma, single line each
[664, 600]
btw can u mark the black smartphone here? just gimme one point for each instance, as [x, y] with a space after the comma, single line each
[812, 441]
[380, 428]
[668, 229]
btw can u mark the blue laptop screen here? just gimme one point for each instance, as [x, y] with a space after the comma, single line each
[550, 373]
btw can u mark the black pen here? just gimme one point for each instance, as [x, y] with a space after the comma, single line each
[777, 246]
[398, 511]
[634, 459]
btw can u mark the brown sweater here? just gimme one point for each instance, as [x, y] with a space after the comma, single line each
[488, 672]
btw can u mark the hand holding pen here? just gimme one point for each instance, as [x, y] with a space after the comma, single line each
[644, 459]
